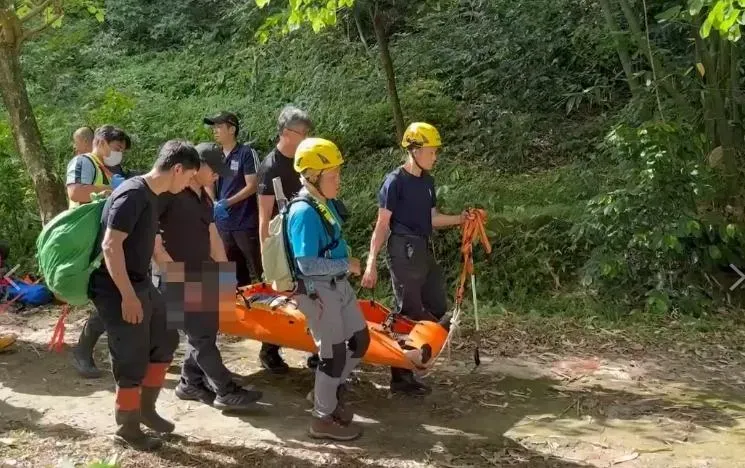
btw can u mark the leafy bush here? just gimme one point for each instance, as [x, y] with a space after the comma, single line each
[650, 235]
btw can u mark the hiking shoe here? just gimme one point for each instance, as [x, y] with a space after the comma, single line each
[195, 393]
[330, 428]
[408, 385]
[272, 361]
[239, 399]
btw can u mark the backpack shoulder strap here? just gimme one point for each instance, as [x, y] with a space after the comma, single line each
[324, 221]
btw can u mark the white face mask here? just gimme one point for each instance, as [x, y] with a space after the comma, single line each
[113, 159]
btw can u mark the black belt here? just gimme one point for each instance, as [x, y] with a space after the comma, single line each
[411, 236]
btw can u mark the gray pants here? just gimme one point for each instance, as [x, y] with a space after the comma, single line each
[340, 334]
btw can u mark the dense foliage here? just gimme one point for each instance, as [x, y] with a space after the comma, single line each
[596, 170]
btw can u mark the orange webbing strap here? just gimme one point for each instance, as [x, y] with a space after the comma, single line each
[58, 338]
[473, 228]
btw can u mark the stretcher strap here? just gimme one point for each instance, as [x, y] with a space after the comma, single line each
[474, 228]
[58, 338]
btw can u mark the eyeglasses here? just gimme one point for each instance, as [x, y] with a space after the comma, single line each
[302, 134]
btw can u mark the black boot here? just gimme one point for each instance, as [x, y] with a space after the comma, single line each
[149, 416]
[271, 360]
[82, 354]
[130, 434]
[403, 381]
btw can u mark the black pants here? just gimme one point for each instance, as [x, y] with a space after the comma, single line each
[418, 282]
[203, 359]
[243, 248]
[134, 346]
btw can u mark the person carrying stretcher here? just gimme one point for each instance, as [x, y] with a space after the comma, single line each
[408, 212]
[322, 260]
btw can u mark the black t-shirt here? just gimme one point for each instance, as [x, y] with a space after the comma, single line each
[274, 165]
[185, 220]
[132, 208]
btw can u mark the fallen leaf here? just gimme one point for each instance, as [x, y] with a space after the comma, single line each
[625, 458]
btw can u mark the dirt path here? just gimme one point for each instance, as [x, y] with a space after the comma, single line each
[527, 405]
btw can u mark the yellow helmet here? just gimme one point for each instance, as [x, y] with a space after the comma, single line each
[318, 154]
[421, 134]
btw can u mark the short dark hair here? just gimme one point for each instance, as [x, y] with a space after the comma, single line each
[109, 133]
[177, 152]
[291, 116]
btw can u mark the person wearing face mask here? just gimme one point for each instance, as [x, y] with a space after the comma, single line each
[100, 169]
[141, 342]
[89, 172]
[322, 261]
[408, 213]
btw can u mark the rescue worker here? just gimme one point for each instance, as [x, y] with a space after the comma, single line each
[141, 343]
[324, 293]
[407, 210]
[188, 235]
[293, 126]
[236, 210]
[82, 140]
[93, 170]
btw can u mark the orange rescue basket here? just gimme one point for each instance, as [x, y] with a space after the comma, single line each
[265, 315]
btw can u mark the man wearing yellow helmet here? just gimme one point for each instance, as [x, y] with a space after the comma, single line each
[322, 262]
[408, 212]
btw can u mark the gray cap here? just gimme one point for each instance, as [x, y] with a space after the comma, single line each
[210, 154]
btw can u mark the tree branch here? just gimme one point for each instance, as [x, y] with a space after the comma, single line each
[30, 34]
[38, 9]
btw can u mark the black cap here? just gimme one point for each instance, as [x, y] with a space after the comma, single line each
[222, 117]
[210, 154]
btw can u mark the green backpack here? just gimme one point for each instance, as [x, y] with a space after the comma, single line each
[65, 250]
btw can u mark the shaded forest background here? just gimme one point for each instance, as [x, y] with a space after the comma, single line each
[603, 137]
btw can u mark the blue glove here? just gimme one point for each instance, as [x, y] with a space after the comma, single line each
[116, 180]
[221, 210]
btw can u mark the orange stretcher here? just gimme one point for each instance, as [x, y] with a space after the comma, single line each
[268, 316]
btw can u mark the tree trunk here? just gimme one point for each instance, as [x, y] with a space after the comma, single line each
[49, 191]
[623, 54]
[361, 33]
[645, 49]
[381, 34]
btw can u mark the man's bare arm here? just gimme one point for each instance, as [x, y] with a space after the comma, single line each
[266, 207]
[113, 254]
[217, 249]
[81, 193]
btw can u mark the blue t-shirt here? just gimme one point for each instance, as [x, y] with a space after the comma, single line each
[243, 215]
[410, 199]
[308, 235]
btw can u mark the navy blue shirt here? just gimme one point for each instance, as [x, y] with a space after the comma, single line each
[243, 215]
[410, 199]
